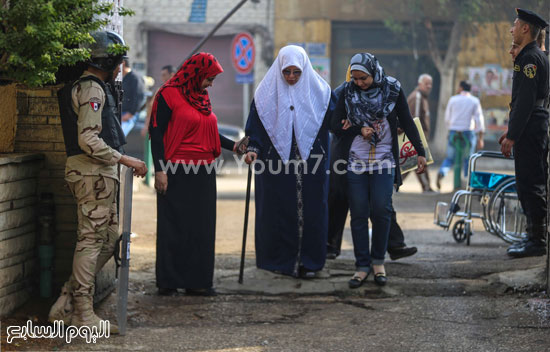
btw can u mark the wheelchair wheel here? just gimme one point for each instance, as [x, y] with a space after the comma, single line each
[459, 231]
[505, 213]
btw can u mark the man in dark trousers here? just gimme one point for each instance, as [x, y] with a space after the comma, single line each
[527, 133]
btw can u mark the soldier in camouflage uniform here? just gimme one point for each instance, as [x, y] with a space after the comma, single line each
[93, 140]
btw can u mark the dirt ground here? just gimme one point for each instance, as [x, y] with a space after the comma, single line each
[448, 297]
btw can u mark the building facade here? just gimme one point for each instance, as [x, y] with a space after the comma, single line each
[163, 32]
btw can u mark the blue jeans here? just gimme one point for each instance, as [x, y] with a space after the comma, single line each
[127, 126]
[451, 152]
[370, 196]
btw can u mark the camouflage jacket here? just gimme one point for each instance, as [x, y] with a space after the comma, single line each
[88, 100]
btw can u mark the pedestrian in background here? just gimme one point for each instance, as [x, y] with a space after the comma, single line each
[527, 134]
[464, 118]
[420, 107]
[166, 73]
[133, 98]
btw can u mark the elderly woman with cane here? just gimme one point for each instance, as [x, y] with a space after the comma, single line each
[288, 129]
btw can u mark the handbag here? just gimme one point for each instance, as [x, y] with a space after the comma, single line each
[408, 157]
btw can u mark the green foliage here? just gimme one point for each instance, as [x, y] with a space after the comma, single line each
[39, 36]
[117, 49]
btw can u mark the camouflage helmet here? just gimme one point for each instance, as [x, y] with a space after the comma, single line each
[100, 56]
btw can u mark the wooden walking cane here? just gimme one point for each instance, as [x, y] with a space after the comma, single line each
[247, 205]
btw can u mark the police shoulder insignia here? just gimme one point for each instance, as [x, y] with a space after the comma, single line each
[517, 68]
[530, 70]
[95, 103]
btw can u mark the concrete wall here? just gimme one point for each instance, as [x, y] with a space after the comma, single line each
[18, 199]
[39, 130]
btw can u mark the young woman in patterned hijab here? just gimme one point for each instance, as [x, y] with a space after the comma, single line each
[366, 117]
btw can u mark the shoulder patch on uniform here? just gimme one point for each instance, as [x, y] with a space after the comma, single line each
[530, 70]
[517, 68]
[95, 103]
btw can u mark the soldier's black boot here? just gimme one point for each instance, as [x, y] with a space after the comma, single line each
[534, 246]
[522, 242]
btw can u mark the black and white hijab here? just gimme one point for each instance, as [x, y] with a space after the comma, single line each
[367, 107]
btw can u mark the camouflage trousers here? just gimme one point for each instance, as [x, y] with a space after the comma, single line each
[97, 231]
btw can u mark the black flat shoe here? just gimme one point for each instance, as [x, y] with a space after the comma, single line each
[380, 279]
[356, 281]
[331, 255]
[207, 292]
[167, 292]
[398, 253]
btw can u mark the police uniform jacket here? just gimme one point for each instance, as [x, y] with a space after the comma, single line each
[529, 92]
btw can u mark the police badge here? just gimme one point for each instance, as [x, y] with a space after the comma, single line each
[530, 70]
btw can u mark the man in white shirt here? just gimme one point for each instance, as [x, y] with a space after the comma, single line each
[464, 118]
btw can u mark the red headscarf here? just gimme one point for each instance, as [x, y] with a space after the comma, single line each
[190, 77]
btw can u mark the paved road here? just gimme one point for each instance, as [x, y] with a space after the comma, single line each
[448, 297]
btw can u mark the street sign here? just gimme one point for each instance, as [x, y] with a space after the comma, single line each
[246, 78]
[243, 53]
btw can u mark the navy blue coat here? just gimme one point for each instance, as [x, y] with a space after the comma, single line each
[287, 238]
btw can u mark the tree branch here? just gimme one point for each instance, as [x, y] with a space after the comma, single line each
[432, 45]
[4, 59]
[454, 44]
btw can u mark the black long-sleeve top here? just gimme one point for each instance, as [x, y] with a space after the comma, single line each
[164, 114]
[400, 115]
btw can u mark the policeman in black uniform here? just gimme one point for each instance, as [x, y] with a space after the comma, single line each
[527, 131]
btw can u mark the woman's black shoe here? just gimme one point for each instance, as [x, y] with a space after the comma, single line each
[167, 292]
[207, 292]
[380, 279]
[356, 281]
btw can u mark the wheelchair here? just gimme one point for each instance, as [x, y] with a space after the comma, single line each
[501, 212]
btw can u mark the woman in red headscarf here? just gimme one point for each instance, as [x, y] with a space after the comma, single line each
[184, 143]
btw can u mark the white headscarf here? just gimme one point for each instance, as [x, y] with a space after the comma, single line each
[310, 97]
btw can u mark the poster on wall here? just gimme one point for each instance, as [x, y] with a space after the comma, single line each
[322, 66]
[474, 76]
[317, 52]
[506, 84]
[490, 80]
